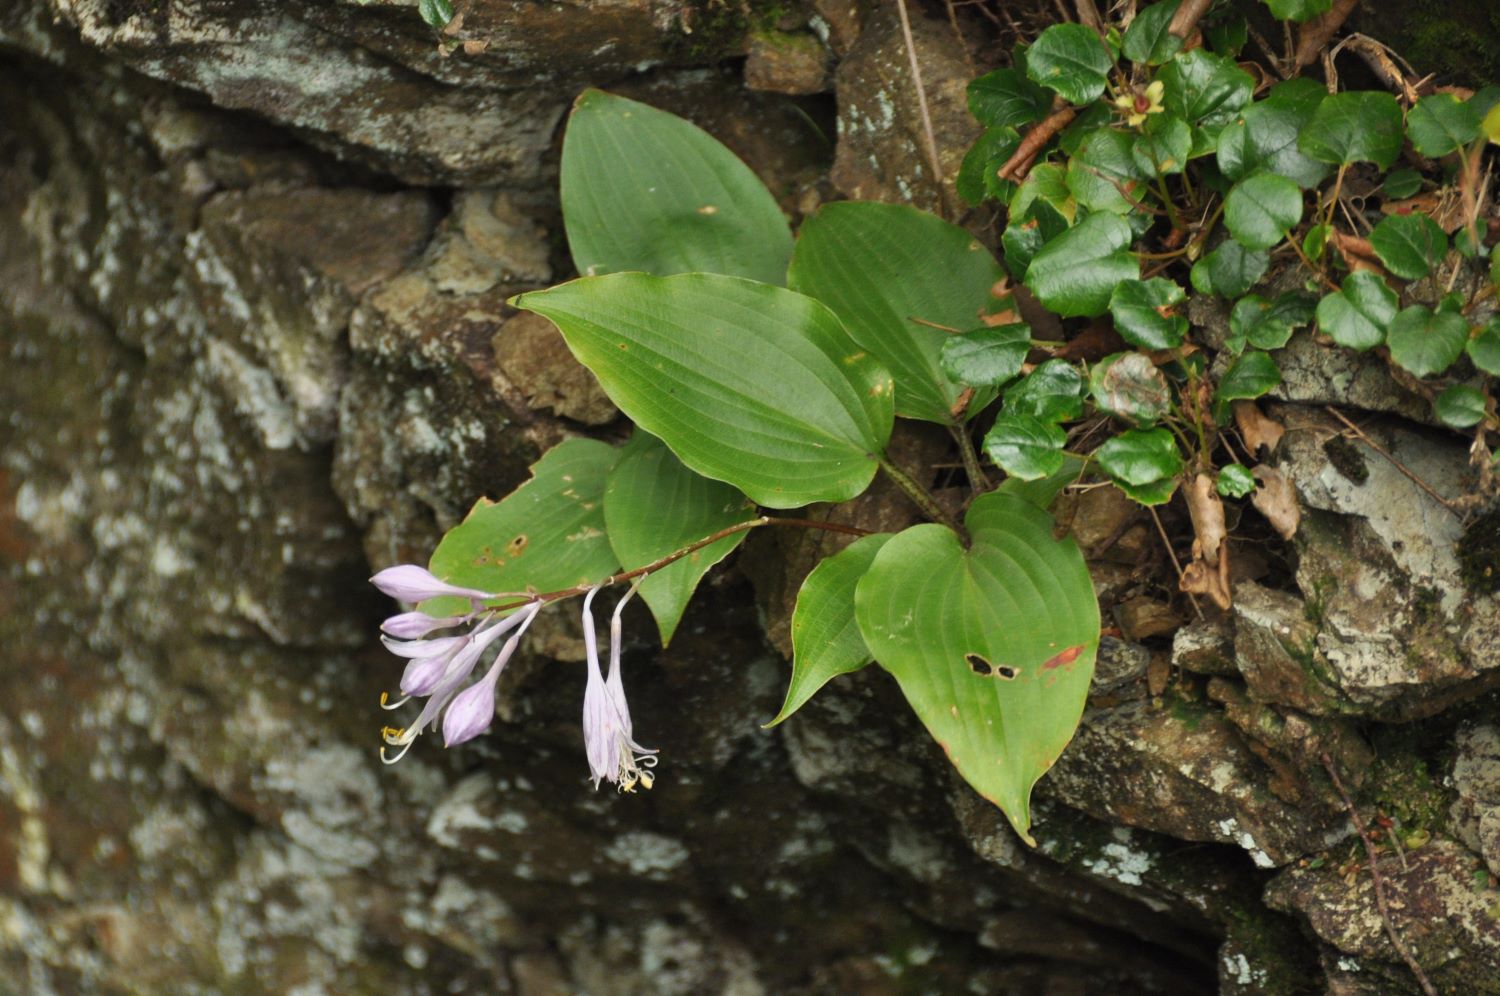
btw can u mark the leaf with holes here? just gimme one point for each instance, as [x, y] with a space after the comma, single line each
[987, 357]
[749, 384]
[1261, 209]
[825, 636]
[546, 535]
[994, 650]
[1075, 273]
[1357, 126]
[1425, 342]
[1025, 447]
[1071, 61]
[654, 506]
[1145, 313]
[1359, 314]
[1409, 245]
[881, 267]
[645, 190]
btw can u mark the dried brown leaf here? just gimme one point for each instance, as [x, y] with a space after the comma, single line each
[1276, 499]
[1256, 429]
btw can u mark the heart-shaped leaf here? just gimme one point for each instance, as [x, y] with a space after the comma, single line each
[1261, 209]
[880, 267]
[1075, 273]
[1484, 349]
[747, 383]
[1070, 60]
[1440, 123]
[825, 636]
[654, 506]
[987, 357]
[1025, 447]
[1425, 342]
[1230, 270]
[1264, 139]
[1249, 376]
[1359, 314]
[994, 650]
[1147, 40]
[1359, 126]
[1409, 245]
[1268, 324]
[1145, 313]
[1460, 406]
[645, 190]
[1052, 392]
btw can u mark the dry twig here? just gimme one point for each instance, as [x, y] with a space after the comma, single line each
[933, 162]
[1019, 163]
[1315, 33]
[1186, 18]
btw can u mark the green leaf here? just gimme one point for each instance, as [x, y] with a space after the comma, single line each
[1425, 343]
[1228, 36]
[1163, 146]
[645, 190]
[1047, 182]
[1359, 314]
[1145, 313]
[1071, 61]
[546, 535]
[1440, 123]
[437, 13]
[654, 506]
[1261, 209]
[1230, 270]
[1044, 491]
[1409, 245]
[994, 650]
[1204, 89]
[1401, 183]
[987, 357]
[825, 635]
[1358, 126]
[879, 267]
[977, 177]
[1235, 481]
[1268, 324]
[1460, 406]
[1006, 97]
[1315, 241]
[1026, 447]
[1144, 463]
[1249, 376]
[1264, 139]
[1147, 40]
[1298, 10]
[1052, 392]
[1129, 385]
[749, 384]
[1484, 349]
[1074, 274]
[1024, 237]
[1103, 172]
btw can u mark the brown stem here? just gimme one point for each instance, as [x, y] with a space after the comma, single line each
[1187, 16]
[1019, 163]
[919, 495]
[1315, 33]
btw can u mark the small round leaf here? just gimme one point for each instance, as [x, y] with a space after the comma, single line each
[1261, 209]
[1359, 314]
[1424, 342]
[1025, 447]
[1460, 406]
[1070, 60]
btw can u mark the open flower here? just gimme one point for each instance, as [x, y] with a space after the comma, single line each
[608, 739]
[1137, 105]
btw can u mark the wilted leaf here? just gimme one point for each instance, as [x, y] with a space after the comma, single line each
[1129, 385]
[1276, 499]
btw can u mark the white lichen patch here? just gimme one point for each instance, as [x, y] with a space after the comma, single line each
[649, 855]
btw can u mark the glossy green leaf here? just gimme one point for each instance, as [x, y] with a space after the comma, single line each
[1261, 209]
[1025, 236]
[1401, 183]
[1046, 182]
[1076, 272]
[1409, 245]
[1147, 40]
[1484, 348]
[1163, 146]
[654, 506]
[546, 535]
[1204, 89]
[645, 190]
[1230, 270]
[1129, 385]
[1005, 97]
[1440, 123]
[879, 267]
[1249, 376]
[1359, 314]
[1235, 481]
[747, 383]
[1316, 241]
[437, 13]
[994, 650]
[1145, 313]
[1298, 10]
[1053, 392]
[1144, 463]
[1102, 174]
[1044, 491]
[1264, 139]
[987, 357]
[1071, 61]
[1268, 324]
[978, 176]
[1460, 406]
[1228, 36]
[1025, 447]
[1424, 342]
[825, 635]
[1358, 126]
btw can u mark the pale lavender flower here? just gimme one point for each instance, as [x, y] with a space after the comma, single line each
[413, 625]
[608, 738]
[410, 583]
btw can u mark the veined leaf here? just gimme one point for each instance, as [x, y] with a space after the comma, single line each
[1070, 60]
[1076, 272]
[1358, 126]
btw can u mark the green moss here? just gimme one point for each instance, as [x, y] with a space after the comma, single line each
[1401, 781]
[1280, 959]
[716, 29]
[1479, 554]
[1457, 39]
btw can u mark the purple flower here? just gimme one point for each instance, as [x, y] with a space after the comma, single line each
[412, 625]
[608, 739]
[410, 583]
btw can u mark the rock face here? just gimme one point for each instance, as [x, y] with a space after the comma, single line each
[254, 258]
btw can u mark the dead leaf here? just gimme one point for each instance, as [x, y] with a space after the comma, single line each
[1200, 579]
[1207, 512]
[1276, 499]
[1256, 429]
[1446, 207]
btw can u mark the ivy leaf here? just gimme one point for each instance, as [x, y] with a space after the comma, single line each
[645, 190]
[1235, 481]
[1145, 313]
[1163, 146]
[1359, 314]
[1460, 406]
[879, 266]
[1230, 270]
[546, 535]
[1074, 274]
[1409, 245]
[1441, 123]
[825, 635]
[1070, 60]
[1357, 126]
[1144, 463]
[1261, 209]
[654, 506]
[1249, 376]
[1298, 10]
[986, 357]
[1052, 392]
[1129, 385]
[1268, 324]
[1147, 40]
[1025, 447]
[1484, 349]
[1006, 98]
[749, 384]
[994, 650]
[1424, 342]
[978, 176]
[1024, 237]
[1204, 89]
